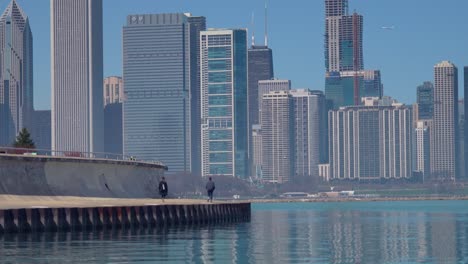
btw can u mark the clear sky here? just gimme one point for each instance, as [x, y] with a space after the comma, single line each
[426, 32]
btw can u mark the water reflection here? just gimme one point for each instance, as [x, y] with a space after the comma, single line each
[413, 232]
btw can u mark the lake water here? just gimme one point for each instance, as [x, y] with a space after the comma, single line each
[361, 232]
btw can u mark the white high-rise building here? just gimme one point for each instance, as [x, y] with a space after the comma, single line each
[278, 137]
[16, 74]
[444, 148]
[266, 86]
[371, 142]
[77, 75]
[309, 124]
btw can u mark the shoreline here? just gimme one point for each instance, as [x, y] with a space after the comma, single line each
[360, 199]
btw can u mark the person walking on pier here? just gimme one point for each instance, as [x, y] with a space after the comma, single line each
[210, 187]
[163, 188]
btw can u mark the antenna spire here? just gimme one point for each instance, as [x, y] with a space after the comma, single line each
[266, 23]
[253, 29]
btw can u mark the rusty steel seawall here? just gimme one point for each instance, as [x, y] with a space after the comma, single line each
[67, 176]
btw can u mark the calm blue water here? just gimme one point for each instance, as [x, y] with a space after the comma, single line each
[374, 232]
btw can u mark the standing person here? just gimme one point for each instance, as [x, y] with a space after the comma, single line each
[210, 187]
[163, 188]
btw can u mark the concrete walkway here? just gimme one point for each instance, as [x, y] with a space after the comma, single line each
[24, 202]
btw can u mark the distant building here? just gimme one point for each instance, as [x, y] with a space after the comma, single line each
[260, 68]
[113, 129]
[278, 137]
[370, 142]
[267, 86]
[461, 140]
[257, 150]
[423, 147]
[77, 75]
[160, 65]
[444, 147]
[425, 100]
[41, 130]
[224, 108]
[113, 90]
[309, 113]
[339, 86]
[16, 78]
[343, 38]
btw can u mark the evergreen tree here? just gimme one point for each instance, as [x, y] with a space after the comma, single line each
[23, 140]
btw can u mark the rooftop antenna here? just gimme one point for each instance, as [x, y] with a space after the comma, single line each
[266, 23]
[253, 29]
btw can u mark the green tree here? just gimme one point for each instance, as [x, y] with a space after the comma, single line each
[23, 140]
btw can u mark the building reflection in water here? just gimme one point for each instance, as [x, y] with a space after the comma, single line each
[296, 233]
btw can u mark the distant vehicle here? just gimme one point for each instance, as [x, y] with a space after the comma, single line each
[294, 195]
[388, 27]
[236, 196]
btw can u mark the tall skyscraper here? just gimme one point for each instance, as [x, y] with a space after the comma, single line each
[16, 74]
[267, 86]
[425, 99]
[77, 75]
[444, 146]
[224, 79]
[113, 135]
[343, 37]
[40, 131]
[197, 24]
[371, 142]
[278, 137]
[260, 68]
[309, 114]
[158, 80]
[113, 90]
[257, 158]
[339, 86]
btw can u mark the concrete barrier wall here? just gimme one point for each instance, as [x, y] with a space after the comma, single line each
[111, 218]
[56, 176]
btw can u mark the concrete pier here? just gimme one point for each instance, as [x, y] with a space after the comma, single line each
[29, 215]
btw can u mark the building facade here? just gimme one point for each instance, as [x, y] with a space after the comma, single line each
[465, 131]
[267, 86]
[370, 142]
[425, 100]
[278, 137]
[77, 75]
[445, 134]
[257, 151]
[309, 114]
[41, 131]
[113, 134]
[113, 90]
[16, 74]
[224, 104]
[423, 148]
[158, 79]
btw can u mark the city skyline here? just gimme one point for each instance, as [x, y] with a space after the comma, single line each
[383, 48]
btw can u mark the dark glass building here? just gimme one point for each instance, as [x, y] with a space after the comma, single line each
[113, 129]
[465, 131]
[425, 99]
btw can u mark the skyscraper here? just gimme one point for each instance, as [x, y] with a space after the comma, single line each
[40, 131]
[197, 24]
[425, 99]
[224, 79]
[267, 86]
[309, 114]
[444, 147]
[278, 137]
[158, 74]
[370, 142]
[16, 75]
[77, 75]
[113, 129]
[257, 158]
[113, 90]
[260, 68]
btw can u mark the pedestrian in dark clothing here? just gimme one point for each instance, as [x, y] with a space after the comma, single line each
[163, 188]
[210, 187]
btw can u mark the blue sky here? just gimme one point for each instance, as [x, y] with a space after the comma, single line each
[426, 32]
